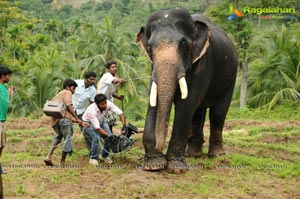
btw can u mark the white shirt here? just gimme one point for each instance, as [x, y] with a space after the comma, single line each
[93, 115]
[105, 86]
[82, 96]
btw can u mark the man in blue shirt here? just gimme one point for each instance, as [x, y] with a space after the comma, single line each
[84, 93]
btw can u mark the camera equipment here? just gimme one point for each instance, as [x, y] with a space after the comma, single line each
[119, 143]
[130, 129]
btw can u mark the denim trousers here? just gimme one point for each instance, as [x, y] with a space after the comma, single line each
[64, 129]
[92, 138]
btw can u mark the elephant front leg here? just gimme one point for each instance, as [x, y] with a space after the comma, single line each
[153, 160]
[196, 139]
[176, 151]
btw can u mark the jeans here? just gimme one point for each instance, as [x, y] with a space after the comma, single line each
[80, 126]
[64, 129]
[92, 138]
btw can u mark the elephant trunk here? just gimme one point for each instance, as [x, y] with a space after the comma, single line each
[167, 74]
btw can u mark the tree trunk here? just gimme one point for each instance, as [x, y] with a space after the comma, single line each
[244, 83]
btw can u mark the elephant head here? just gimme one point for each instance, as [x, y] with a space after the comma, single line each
[172, 41]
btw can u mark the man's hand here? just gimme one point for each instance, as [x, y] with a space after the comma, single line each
[122, 81]
[11, 90]
[85, 124]
[82, 123]
[112, 138]
[120, 97]
[124, 130]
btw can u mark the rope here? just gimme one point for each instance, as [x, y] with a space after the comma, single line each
[101, 141]
[19, 99]
[138, 78]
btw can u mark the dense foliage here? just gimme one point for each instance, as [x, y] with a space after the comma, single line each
[47, 41]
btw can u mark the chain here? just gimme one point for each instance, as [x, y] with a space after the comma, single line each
[180, 159]
[147, 157]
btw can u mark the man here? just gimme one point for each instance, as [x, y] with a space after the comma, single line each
[107, 85]
[5, 74]
[95, 114]
[63, 127]
[84, 93]
[108, 82]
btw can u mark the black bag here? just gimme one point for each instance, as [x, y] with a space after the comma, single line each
[119, 143]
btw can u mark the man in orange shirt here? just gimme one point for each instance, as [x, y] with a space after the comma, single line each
[63, 127]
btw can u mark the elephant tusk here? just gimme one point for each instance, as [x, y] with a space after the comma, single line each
[153, 94]
[183, 88]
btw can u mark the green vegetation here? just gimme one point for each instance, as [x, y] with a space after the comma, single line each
[48, 41]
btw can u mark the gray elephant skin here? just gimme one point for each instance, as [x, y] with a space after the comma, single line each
[193, 65]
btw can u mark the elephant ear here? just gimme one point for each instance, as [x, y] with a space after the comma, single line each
[142, 43]
[201, 38]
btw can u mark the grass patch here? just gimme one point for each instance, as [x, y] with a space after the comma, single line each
[262, 160]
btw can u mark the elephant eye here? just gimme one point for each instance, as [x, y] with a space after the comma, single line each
[184, 45]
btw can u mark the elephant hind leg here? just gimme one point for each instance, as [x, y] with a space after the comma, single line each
[216, 137]
[217, 115]
[196, 140]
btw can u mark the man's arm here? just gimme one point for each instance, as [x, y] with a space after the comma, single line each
[119, 97]
[123, 119]
[102, 132]
[72, 112]
[118, 80]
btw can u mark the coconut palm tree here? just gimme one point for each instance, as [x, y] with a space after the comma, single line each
[39, 80]
[278, 77]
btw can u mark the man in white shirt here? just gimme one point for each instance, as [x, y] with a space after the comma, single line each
[107, 85]
[84, 93]
[95, 114]
[108, 82]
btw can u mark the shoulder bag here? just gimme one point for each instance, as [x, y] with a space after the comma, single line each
[55, 109]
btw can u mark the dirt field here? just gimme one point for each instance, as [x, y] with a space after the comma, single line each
[28, 177]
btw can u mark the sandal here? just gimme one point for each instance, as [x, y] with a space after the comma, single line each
[48, 162]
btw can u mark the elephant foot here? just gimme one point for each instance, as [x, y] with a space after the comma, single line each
[215, 150]
[154, 162]
[177, 165]
[192, 152]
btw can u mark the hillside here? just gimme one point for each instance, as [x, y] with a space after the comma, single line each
[74, 3]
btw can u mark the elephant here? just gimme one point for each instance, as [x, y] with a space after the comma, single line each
[193, 66]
